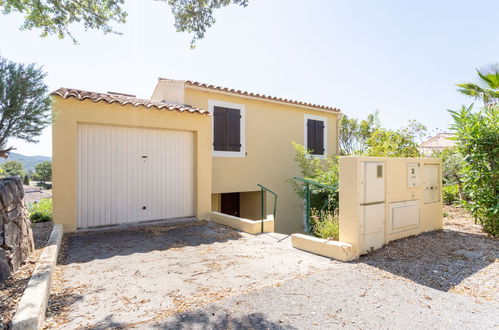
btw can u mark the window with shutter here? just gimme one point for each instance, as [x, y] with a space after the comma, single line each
[315, 135]
[226, 129]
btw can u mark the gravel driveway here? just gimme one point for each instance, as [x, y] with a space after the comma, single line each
[136, 276]
[350, 296]
[205, 276]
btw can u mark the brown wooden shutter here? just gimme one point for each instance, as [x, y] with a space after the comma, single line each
[226, 129]
[234, 130]
[310, 135]
[319, 137]
[315, 136]
[219, 129]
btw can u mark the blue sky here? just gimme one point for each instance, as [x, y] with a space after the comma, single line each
[400, 57]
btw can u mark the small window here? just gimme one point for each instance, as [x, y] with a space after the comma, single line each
[315, 135]
[226, 129]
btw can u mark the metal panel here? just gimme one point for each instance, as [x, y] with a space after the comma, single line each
[373, 182]
[413, 175]
[373, 218]
[431, 193]
[133, 174]
[404, 215]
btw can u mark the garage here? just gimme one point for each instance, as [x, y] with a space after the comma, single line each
[128, 174]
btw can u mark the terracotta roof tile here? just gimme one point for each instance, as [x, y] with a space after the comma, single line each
[124, 99]
[245, 93]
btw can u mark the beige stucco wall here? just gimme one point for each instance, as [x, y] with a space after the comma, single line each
[70, 112]
[250, 205]
[242, 224]
[270, 128]
[396, 190]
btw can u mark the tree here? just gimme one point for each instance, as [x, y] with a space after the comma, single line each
[477, 133]
[388, 143]
[43, 172]
[354, 133]
[26, 180]
[53, 17]
[13, 168]
[488, 88]
[24, 103]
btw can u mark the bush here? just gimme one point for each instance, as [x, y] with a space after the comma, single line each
[451, 194]
[26, 180]
[325, 172]
[325, 226]
[477, 133]
[41, 211]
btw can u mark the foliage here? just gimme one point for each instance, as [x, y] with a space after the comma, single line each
[43, 172]
[197, 16]
[26, 180]
[477, 133]
[41, 211]
[387, 143]
[488, 88]
[24, 102]
[354, 133]
[311, 168]
[450, 194]
[53, 17]
[13, 168]
[368, 137]
[325, 225]
[452, 165]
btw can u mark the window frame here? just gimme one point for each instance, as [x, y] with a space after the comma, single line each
[211, 108]
[305, 135]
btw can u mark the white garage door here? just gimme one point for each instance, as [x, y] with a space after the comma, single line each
[133, 174]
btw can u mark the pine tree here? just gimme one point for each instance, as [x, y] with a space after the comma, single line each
[24, 103]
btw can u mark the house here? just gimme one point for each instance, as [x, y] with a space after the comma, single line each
[437, 143]
[189, 150]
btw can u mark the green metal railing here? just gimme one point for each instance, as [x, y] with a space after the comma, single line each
[307, 183]
[262, 200]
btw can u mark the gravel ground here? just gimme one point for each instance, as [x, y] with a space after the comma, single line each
[446, 279]
[135, 276]
[350, 296]
[460, 258]
[443, 279]
[12, 289]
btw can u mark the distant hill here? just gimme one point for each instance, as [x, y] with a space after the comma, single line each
[28, 162]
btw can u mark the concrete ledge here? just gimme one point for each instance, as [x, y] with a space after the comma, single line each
[331, 249]
[31, 310]
[246, 225]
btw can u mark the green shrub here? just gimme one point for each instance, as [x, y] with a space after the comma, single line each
[26, 180]
[451, 194]
[327, 226]
[477, 135]
[325, 172]
[41, 211]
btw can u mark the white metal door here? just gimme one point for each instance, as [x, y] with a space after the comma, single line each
[373, 182]
[431, 183]
[133, 174]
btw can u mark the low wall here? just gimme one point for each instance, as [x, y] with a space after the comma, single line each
[323, 247]
[248, 226]
[16, 237]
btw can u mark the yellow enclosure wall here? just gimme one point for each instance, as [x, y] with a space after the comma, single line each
[68, 113]
[396, 190]
[270, 128]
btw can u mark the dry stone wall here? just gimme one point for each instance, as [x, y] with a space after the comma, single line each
[16, 236]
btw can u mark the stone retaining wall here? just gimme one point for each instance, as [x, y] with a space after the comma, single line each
[16, 236]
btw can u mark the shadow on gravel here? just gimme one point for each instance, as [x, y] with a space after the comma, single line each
[439, 259]
[87, 246]
[205, 320]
